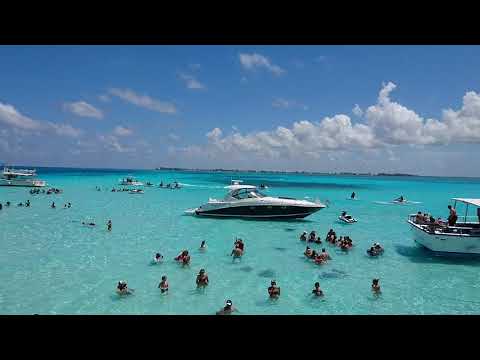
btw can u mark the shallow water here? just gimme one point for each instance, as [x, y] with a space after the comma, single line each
[51, 264]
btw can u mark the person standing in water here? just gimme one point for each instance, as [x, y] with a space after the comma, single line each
[376, 287]
[352, 196]
[274, 290]
[163, 286]
[316, 290]
[53, 205]
[109, 225]
[202, 279]
[203, 246]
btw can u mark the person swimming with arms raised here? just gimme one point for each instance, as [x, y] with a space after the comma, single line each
[227, 309]
[273, 290]
[163, 286]
[316, 290]
[122, 288]
[202, 279]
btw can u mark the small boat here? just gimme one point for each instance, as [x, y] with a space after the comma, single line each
[438, 236]
[20, 177]
[136, 191]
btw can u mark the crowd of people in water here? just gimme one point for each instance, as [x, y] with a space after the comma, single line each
[37, 191]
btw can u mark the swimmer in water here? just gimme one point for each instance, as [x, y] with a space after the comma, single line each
[312, 237]
[353, 195]
[53, 205]
[227, 309]
[7, 203]
[316, 290]
[158, 258]
[202, 279]
[88, 224]
[203, 246]
[240, 245]
[303, 237]
[69, 205]
[163, 286]
[122, 288]
[274, 290]
[308, 252]
[400, 199]
[27, 204]
[376, 286]
[109, 225]
[326, 255]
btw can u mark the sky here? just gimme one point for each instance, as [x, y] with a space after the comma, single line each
[408, 109]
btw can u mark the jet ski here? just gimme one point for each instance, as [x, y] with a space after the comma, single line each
[347, 218]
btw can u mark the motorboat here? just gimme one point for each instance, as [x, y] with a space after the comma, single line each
[438, 236]
[246, 201]
[20, 177]
[130, 181]
[349, 219]
[136, 191]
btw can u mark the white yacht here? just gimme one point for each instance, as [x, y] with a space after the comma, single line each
[20, 177]
[246, 201]
[130, 181]
[463, 238]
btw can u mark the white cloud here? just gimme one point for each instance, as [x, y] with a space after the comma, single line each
[83, 109]
[122, 131]
[387, 125]
[10, 116]
[357, 110]
[288, 104]
[144, 101]
[111, 142]
[252, 61]
[66, 130]
[191, 82]
[173, 137]
[104, 98]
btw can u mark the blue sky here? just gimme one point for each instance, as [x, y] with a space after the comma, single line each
[270, 107]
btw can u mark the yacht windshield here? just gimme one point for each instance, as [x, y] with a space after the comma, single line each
[247, 194]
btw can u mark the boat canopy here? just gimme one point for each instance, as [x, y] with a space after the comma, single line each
[238, 187]
[475, 202]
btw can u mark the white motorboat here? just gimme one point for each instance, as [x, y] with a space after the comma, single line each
[130, 181]
[245, 201]
[136, 191]
[463, 238]
[20, 177]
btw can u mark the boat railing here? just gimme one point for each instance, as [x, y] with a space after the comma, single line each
[462, 228]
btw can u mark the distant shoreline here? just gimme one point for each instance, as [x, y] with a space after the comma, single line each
[286, 172]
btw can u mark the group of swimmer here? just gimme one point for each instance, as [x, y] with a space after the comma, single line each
[65, 206]
[42, 191]
[175, 185]
[344, 242]
[318, 258]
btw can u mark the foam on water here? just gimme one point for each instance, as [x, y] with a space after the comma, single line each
[51, 264]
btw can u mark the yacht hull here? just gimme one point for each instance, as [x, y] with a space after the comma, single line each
[445, 243]
[20, 183]
[259, 211]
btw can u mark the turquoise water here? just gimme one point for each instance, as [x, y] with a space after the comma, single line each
[51, 264]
